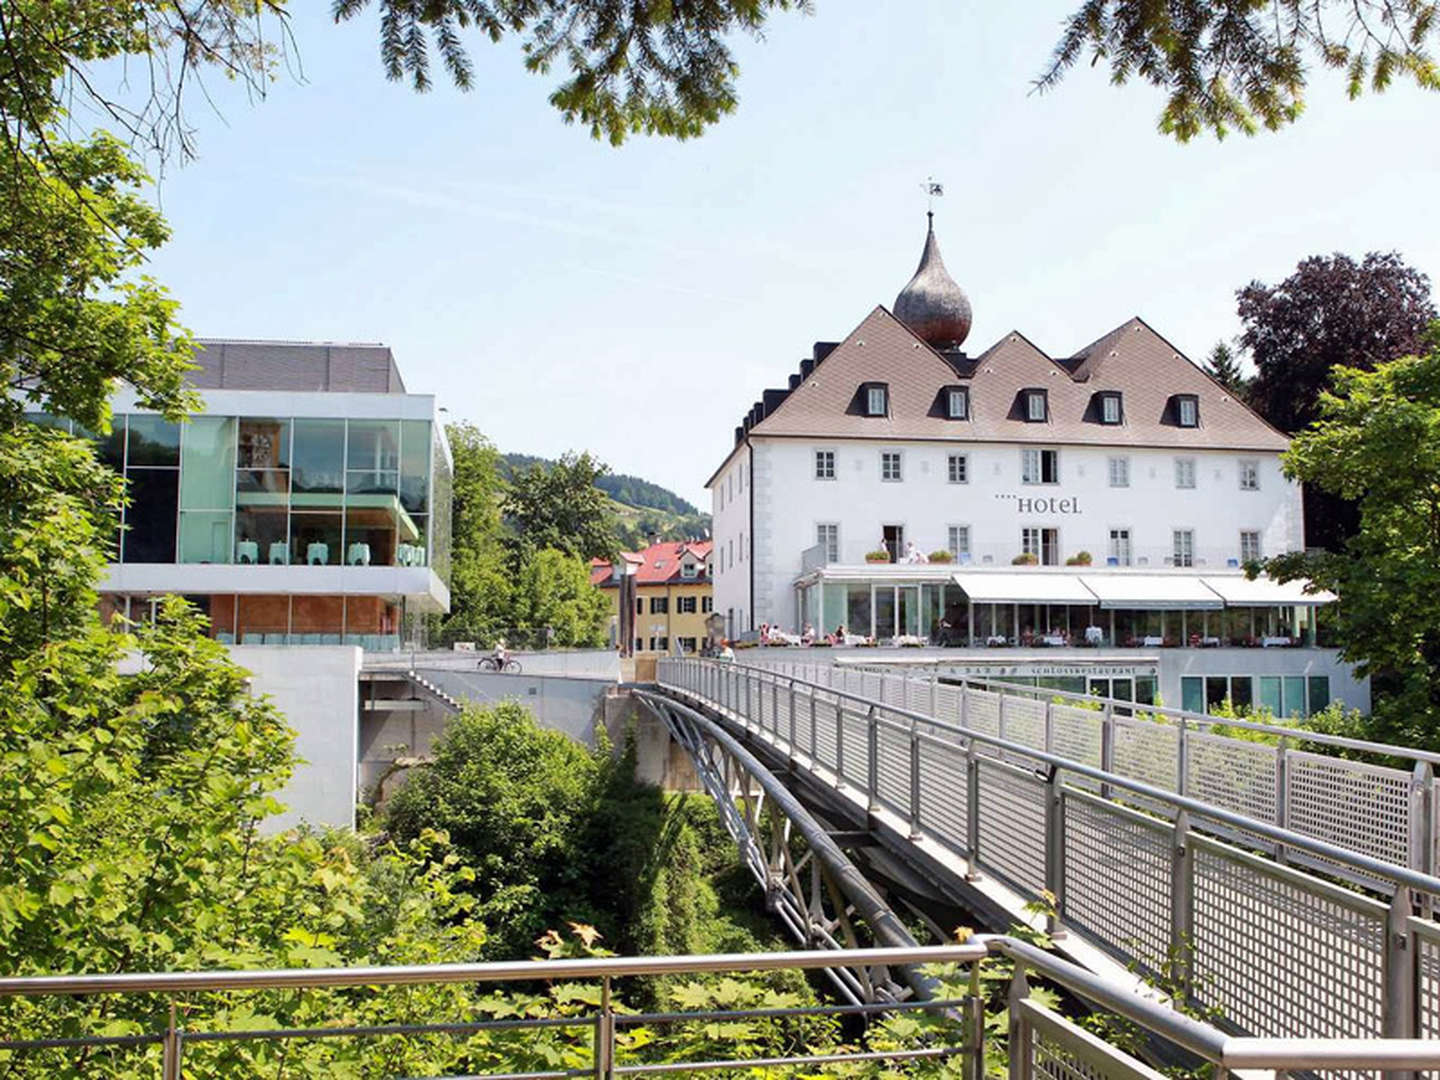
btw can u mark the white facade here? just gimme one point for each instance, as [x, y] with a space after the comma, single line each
[1141, 502]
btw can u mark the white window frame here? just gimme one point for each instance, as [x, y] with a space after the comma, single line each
[1182, 547]
[1117, 470]
[1255, 554]
[957, 403]
[1249, 474]
[960, 475]
[1036, 455]
[1110, 408]
[877, 401]
[825, 465]
[1187, 412]
[1035, 406]
[1038, 547]
[1121, 545]
[886, 458]
[827, 533]
[1185, 472]
[957, 539]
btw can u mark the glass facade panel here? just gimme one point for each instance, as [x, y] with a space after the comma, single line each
[370, 536]
[151, 516]
[1270, 695]
[205, 536]
[1294, 695]
[318, 462]
[884, 612]
[1319, 693]
[153, 441]
[1192, 693]
[372, 457]
[857, 609]
[110, 449]
[415, 465]
[317, 538]
[207, 465]
[261, 535]
[264, 444]
[439, 540]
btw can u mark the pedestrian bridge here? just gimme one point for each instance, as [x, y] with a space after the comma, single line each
[1249, 866]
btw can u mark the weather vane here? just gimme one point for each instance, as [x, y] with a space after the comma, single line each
[933, 189]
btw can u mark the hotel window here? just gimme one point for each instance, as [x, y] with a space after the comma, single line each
[958, 540]
[890, 465]
[685, 605]
[1035, 406]
[1184, 547]
[659, 644]
[1119, 468]
[659, 605]
[877, 399]
[1039, 466]
[1249, 546]
[720, 495]
[957, 403]
[1187, 410]
[690, 570]
[959, 466]
[1110, 408]
[707, 605]
[824, 464]
[1249, 476]
[1121, 553]
[639, 605]
[1044, 544]
[828, 536]
[1184, 472]
[742, 547]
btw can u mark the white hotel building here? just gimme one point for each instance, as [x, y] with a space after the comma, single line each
[1017, 466]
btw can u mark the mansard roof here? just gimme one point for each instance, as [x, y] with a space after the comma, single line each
[1132, 360]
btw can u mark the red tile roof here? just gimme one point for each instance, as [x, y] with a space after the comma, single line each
[659, 563]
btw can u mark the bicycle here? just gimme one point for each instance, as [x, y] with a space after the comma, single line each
[510, 667]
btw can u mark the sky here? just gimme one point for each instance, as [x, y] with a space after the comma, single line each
[560, 293]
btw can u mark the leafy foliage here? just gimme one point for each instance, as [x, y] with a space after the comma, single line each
[1241, 65]
[657, 69]
[1378, 443]
[558, 506]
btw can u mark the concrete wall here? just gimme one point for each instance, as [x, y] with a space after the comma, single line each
[571, 705]
[317, 688]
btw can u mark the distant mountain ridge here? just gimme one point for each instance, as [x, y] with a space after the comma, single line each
[643, 509]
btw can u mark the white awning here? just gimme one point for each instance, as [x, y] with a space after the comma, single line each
[1022, 587]
[1239, 591]
[1172, 592]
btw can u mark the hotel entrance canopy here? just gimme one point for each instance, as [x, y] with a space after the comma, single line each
[1141, 592]
[986, 587]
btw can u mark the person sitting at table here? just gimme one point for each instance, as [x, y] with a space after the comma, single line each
[807, 636]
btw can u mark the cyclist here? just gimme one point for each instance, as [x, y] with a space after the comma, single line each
[501, 655]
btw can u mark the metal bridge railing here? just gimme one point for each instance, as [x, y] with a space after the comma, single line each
[1142, 871]
[1390, 814]
[1042, 1044]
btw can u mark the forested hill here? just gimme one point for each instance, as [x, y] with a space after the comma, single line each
[642, 508]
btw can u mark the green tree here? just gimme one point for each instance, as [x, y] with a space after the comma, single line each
[480, 593]
[513, 797]
[558, 506]
[552, 591]
[1242, 65]
[1224, 367]
[1378, 443]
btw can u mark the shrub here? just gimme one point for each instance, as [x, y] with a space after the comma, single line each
[1080, 558]
[877, 556]
[1025, 558]
[941, 556]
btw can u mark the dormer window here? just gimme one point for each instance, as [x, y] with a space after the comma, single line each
[1036, 407]
[1187, 410]
[957, 403]
[877, 399]
[689, 570]
[1110, 412]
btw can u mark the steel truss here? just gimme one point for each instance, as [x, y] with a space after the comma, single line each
[820, 897]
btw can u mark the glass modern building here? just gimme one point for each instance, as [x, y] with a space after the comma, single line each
[309, 504]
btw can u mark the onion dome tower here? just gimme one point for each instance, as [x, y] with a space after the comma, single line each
[932, 304]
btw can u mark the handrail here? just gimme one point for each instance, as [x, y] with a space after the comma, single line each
[1385, 871]
[1343, 742]
[1151, 1014]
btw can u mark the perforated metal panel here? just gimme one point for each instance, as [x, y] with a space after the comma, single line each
[1427, 960]
[1283, 954]
[1117, 877]
[1362, 807]
[1145, 750]
[943, 790]
[1012, 824]
[982, 711]
[855, 767]
[1024, 721]
[894, 767]
[1232, 774]
[1077, 733]
[1055, 1048]
[947, 703]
